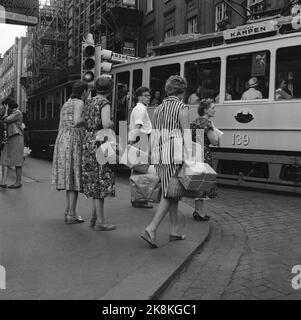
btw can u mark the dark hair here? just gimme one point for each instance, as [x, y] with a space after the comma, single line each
[204, 105]
[10, 102]
[104, 84]
[141, 90]
[78, 88]
[175, 85]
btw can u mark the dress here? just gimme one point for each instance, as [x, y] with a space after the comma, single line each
[206, 125]
[67, 157]
[98, 180]
[13, 150]
[166, 123]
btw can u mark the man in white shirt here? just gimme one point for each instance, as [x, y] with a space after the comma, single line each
[140, 123]
[252, 93]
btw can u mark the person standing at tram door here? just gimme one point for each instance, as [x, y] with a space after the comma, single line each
[252, 93]
[206, 112]
[140, 123]
[67, 156]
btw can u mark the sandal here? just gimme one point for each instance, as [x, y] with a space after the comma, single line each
[175, 237]
[104, 227]
[147, 237]
[198, 217]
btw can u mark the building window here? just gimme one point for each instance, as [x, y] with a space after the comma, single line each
[149, 5]
[192, 25]
[169, 33]
[220, 14]
[256, 6]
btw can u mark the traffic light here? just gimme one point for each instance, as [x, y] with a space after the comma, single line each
[102, 66]
[88, 61]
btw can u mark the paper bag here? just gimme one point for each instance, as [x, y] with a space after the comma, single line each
[134, 157]
[145, 187]
[197, 176]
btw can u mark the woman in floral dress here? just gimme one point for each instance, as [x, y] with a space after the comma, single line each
[98, 180]
[67, 157]
[206, 112]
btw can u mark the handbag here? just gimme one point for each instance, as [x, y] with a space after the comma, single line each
[176, 190]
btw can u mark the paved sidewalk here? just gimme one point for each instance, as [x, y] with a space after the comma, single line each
[47, 259]
[255, 241]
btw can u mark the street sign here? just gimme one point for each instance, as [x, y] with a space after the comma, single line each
[122, 58]
[21, 12]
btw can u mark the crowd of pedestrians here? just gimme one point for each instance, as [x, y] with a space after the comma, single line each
[76, 169]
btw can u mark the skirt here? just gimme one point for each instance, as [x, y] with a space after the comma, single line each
[12, 154]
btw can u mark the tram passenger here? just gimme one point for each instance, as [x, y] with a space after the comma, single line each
[157, 99]
[12, 154]
[140, 123]
[67, 157]
[252, 93]
[194, 98]
[172, 114]
[206, 112]
[283, 92]
[98, 180]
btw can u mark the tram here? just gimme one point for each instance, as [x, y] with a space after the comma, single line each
[261, 145]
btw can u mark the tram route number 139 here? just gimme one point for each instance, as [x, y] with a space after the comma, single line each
[240, 139]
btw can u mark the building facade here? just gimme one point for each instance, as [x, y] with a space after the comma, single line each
[166, 20]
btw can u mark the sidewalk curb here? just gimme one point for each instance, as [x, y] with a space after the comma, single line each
[149, 280]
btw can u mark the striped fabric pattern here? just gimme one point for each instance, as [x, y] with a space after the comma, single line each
[167, 128]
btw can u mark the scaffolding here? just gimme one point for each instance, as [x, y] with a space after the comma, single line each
[47, 54]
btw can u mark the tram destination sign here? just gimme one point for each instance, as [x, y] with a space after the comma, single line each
[250, 30]
[21, 12]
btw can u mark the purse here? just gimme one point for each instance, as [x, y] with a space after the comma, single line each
[176, 190]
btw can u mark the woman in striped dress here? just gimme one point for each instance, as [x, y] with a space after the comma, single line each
[170, 121]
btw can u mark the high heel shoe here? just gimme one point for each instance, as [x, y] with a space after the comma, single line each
[74, 219]
[176, 237]
[198, 217]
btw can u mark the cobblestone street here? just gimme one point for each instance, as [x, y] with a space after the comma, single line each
[255, 241]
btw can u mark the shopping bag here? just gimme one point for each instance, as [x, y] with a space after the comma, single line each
[145, 187]
[26, 152]
[197, 176]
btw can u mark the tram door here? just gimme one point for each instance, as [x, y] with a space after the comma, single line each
[136, 83]
[122, 98]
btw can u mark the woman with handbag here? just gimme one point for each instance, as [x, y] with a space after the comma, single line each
[98, 180]
[12, 153]
[170, 121]
[206, 112]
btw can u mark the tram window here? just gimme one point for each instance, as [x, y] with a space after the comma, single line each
[248, 76]
[203, 79]
[37, 109]
[137, 82]
[31, 111]
[43, 110]
[122, 97]
[158, 77]
[43, 107]
[288, 73]
[68, 93]
[49, 107]
[56, 105]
